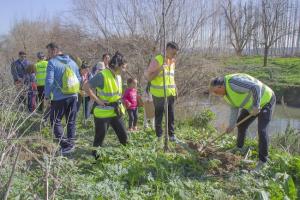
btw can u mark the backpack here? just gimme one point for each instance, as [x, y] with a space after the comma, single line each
[70, 82]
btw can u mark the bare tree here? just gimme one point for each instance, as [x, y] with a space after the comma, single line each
[273, 11]
[241, 24]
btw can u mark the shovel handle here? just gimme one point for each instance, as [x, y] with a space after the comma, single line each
[220, 136]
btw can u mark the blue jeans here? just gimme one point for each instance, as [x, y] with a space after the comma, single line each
[133, 117]
[68, 108]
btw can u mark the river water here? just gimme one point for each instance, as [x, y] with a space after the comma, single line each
[282, 116]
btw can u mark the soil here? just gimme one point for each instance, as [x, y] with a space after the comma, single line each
[229, 162]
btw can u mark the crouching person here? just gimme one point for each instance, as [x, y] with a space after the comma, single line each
[108, 109]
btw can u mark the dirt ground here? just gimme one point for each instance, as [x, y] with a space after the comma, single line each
[224, 162]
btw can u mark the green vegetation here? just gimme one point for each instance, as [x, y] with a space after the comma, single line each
[141, 170]
[281, 74]
[280, 71]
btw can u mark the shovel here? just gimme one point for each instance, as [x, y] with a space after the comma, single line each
[222, 135]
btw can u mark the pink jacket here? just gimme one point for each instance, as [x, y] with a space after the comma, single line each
[130, 98]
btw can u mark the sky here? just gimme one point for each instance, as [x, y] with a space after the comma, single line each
[13, 10]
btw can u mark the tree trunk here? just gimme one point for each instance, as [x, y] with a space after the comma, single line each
[266, 52]
[238, 52]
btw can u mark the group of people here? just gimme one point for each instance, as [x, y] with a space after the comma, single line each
[58, 81]
[33, 77]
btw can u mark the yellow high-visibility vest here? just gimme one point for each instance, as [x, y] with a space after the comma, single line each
[157, 84]
[41, 68]
[111, 92]
[245, 100]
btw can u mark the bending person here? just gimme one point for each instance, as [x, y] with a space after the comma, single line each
[244, 92]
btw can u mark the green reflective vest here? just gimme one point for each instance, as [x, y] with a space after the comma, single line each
[41, 68]
[111, 92]
[157, 84]
[245, 100]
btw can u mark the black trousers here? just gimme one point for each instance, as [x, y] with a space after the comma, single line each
[133, 117]
[101, 125]
[41, 96]
[263, 119]
[159, 111]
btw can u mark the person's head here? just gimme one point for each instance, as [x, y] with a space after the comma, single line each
[117, 63]
[53, 49]
[30, 69]
[217, 86]
[171, 50]
[40, 56]
[106, 58]
[22, 55]
[132, 83]
[84, 68]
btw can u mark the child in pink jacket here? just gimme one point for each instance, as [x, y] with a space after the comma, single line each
[131, 103]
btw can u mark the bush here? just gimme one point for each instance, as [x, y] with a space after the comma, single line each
[288, 141]
[204, 120]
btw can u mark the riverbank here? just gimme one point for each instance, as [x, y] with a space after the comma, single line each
[189, 107]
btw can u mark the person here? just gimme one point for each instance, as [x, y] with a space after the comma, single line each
[101, 65]
[62, 82]
[41, 68]
[84, 98]
[30, 83]
[18, 68]
[131, 103]
[109, 108]
[242, 91]
[154, 74]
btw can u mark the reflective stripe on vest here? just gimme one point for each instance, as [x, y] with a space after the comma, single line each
[41, 68]
[157, 84]
[111, 92]
[245, 100]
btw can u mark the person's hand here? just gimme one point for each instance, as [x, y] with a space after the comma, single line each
[255, 111]
[101, 103]
[229, 129]
[82, 93]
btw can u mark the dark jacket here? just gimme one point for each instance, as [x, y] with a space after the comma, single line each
[18, 68]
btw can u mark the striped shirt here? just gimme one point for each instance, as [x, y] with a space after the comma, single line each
[244, 85]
